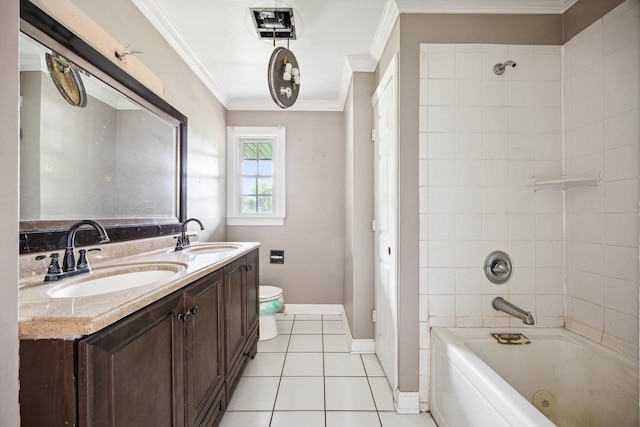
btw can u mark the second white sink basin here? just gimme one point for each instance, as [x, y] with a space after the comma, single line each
[115, 279]
[210, 248]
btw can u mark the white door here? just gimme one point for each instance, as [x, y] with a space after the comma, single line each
[385, 194]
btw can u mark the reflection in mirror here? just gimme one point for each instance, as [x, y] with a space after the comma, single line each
[111, 159]
[120, 159]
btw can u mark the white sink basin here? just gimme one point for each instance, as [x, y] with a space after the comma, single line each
[210, 248]
[115, 279]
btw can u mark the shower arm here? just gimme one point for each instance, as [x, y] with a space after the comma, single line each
[498, 69]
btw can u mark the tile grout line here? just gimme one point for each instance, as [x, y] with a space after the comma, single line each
[286, 352]
[324, 371]
[375, 405]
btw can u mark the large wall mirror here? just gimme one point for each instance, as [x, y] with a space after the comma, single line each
[94, 143]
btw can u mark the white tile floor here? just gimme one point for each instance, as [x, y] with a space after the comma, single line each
[306, 377]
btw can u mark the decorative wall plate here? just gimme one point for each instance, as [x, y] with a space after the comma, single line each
[67, 79]
[283, 77]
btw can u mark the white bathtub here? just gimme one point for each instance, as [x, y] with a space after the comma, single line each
[477, 382]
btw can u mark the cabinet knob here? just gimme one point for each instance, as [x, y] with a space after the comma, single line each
[248, 268]
[184, 317]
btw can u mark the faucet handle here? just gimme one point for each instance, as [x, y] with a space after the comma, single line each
[54, 271]
[83, 263]
[54, 266]
[183, 242]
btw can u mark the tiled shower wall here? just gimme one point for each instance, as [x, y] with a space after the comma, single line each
[483, 136]
[601, 109]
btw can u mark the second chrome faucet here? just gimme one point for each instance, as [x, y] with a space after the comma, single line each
[183, 239]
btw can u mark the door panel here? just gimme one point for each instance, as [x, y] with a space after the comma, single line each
[386, 205]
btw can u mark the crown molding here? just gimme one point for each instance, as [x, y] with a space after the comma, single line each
[100, 91]
[354, 64]
[168, 31]
[485, 6]
[32, 63]
[386, 23]
[361, 63]
[300, 105]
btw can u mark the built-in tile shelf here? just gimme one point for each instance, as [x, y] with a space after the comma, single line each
[565, 182]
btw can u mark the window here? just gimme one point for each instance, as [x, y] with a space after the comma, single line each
[256, 175]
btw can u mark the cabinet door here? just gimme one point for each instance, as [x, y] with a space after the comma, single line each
[253, 291]
[132, 373]
[204, 347]
[47, 383]
[235, 295]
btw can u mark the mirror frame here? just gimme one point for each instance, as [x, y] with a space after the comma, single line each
[38, 236]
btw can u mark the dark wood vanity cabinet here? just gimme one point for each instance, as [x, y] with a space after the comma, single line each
[204, 352]
[253, 291]
[127, 373]
[165, 365]
[241, 316]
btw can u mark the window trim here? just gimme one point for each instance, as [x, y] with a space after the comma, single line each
[235, 136]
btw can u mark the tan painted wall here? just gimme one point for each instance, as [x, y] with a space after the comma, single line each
[359, 252]
[9, 217]
[391, 48]
[313, 234]
[584, 13]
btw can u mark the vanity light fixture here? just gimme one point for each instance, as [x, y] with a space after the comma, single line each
[66, 77]
[283, 77]
[80, 23]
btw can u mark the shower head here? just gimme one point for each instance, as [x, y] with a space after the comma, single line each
[499, 68]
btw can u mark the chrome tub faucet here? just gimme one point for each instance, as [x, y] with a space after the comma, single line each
[503, 305]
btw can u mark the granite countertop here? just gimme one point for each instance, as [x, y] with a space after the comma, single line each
[42, 316]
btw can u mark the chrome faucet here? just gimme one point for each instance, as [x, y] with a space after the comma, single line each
[502, 304]
[183, 239]
[69, 266]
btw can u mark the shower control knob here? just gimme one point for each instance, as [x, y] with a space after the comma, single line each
[499, 267]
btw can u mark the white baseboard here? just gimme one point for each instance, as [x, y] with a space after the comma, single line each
[314, 308]
[357, 346]
[406, 402]
[362, 346]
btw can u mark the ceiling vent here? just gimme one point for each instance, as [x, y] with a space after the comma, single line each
[274, 23]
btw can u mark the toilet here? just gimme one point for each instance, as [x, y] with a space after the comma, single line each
[271, 302]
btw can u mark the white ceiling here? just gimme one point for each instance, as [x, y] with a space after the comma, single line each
[335, 37]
